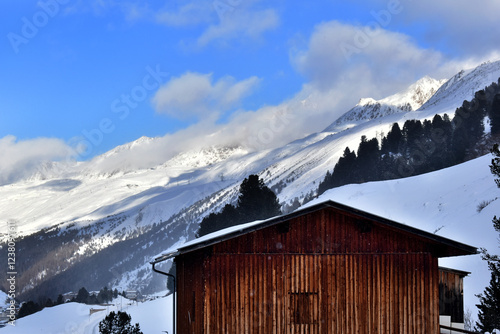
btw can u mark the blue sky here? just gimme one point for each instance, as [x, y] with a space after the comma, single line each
[86, 76]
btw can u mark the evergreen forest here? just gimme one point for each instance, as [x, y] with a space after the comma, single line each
[421, 146]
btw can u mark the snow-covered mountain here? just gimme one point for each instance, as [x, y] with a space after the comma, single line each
[409, 100]
[86, 220]
[462, 86]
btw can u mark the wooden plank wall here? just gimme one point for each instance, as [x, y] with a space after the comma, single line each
[343, 293]
[190, 294]
[326, 272]
[451, 300]
[325, 232]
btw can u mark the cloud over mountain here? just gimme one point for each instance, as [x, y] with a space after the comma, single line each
[23, 158]
[197, 95]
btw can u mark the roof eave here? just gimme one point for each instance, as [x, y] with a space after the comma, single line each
[165, 257]
[460, 248]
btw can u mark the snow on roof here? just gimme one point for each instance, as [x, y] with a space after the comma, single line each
[174, 250]
[237, 229]
[318, 204]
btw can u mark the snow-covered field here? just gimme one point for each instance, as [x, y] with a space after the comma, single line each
[73, 318]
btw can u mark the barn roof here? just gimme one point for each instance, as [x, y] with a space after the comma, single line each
[460, 273]
[448, 247]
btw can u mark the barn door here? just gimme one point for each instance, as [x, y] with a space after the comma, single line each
[302, 295]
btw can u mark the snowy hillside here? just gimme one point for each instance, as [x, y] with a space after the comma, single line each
[100, 216]
[445, 202]
[409, 100]
[152, 316]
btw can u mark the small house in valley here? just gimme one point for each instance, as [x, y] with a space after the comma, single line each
[328, 268]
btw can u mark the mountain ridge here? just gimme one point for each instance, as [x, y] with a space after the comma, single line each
[410, 99]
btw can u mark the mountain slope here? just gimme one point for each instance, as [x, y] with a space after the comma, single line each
[409, 100]
[462, 86]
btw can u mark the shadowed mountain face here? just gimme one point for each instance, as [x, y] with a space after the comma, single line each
[59, 185]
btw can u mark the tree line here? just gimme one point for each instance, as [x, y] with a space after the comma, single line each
[420, 146]
[104, 295]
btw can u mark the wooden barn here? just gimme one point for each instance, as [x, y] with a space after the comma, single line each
[328, 268]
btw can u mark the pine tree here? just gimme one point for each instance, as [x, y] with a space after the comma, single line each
[118, 323]
[28, 308]
[489, 303]
[82, 296]
[489, 300]
[60, 300]
[441, 135]
[495, 164]
[343, 172]
[495, 115]
[413, 132]
[367, 163]
[256, 200]
[392, 142]
[459, 144]
[326, 184]
[477, 109]
[208, 225]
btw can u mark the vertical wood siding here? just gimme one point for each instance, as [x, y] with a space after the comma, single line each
[451, 299]
[358, 293]
[190, 294]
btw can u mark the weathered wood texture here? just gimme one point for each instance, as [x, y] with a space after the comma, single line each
[326, 272]
[327, 232]
[451, 298]
[190, 294]
[321, 294]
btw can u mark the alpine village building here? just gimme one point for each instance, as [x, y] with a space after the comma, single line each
[328, 268]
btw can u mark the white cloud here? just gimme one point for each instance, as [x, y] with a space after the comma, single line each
[221, 21]
[197, 95]
[153, 152]
[368, 61]
[461, 27]
[190, 14]
[21, 159]
[240, 24]
[267, 127]
[340, 55]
